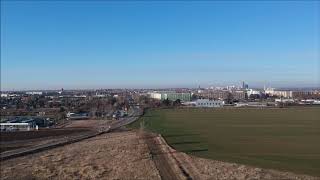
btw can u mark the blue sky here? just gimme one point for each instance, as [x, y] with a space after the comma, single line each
[82, 44]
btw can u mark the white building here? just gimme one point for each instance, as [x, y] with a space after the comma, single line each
[15, 127]
[311, 101]
[251, 104]
[272, 92]
[284, 100]
[269, 91]
[34, 93]
[253, 92]
[155, 95]
[189, 103]
[209, 103]
[4, 95]
[316, 102]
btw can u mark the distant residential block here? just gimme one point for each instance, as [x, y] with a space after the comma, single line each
[34, 93]
[209, 103]
[173, 96]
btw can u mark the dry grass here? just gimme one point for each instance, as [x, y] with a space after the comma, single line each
[111, 156]
[217, 170]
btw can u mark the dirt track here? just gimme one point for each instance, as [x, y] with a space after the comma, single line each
[166, 165]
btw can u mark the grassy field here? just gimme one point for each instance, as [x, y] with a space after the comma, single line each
[283, 139]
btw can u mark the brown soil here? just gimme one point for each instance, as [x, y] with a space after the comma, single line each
[21, 139]
[87, 123]
[27, 135]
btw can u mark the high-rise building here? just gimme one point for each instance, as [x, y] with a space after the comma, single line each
[244, 85]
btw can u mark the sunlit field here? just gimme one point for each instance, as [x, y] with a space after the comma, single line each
[283, 139]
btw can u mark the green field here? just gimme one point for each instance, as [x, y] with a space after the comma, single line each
[283, 139]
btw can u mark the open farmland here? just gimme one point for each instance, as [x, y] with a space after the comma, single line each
[283, 139]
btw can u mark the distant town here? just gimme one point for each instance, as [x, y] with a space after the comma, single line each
[25, 110]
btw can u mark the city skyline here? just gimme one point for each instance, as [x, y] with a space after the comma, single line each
[82, 45]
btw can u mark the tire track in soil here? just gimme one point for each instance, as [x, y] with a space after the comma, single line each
[168, 166]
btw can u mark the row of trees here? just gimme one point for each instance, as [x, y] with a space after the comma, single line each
[154, 103]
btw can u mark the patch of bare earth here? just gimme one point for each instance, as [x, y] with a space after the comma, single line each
[94, 124]
[121, 155]
[15, 141]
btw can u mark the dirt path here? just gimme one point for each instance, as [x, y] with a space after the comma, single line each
[167, 167]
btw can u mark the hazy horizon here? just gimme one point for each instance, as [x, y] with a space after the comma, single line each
[161, 87]
[93, 45]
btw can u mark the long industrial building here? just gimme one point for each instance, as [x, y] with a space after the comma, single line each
[173, 96]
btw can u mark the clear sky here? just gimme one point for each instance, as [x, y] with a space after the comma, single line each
[82, 44]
